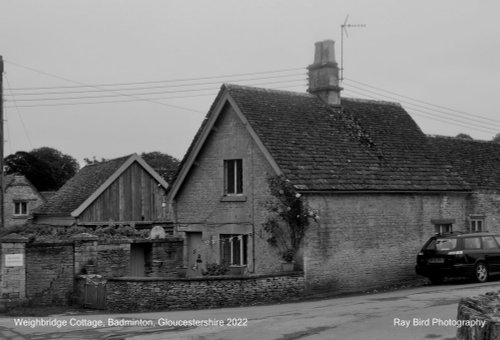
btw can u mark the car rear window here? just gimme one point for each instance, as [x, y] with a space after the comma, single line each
[442, 244]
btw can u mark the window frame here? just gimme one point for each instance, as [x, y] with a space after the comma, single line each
[233, 177]
[238, 249]
[20, 209]
[438, 228]
[477, 223]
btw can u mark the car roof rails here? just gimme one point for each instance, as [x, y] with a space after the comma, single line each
[458, 232]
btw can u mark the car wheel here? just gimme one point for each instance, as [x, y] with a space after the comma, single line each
[436, 279]
[481, 272]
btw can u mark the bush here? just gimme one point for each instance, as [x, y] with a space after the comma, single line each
[214, 269]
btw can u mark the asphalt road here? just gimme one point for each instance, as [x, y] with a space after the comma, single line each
[418, 313]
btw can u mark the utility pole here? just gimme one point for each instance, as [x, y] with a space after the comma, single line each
[2, 189]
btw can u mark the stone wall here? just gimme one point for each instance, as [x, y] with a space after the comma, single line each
[486, 203]
[49, 273]
[165, 258]
[367, 241]
[113, 258]
[12, 270]
[483, 308]
[136, 294]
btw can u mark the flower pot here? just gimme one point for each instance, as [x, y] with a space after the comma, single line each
[237, 270]
[181, 271]
[90, 269]
[287, 266]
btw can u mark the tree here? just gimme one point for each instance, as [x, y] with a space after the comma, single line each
[496, 139]
[164, 164]
[464, 136]
[46, 168]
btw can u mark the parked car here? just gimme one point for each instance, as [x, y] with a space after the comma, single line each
[475, 255]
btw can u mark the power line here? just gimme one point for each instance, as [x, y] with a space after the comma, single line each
[462, 117]
[433, 117]
[212, 94]
[20, 118]
[120, 93]
[141, 82]
[424, 102]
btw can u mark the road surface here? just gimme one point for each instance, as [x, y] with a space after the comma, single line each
[419, 313]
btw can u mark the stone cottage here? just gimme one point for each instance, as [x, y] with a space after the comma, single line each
[477, 162]
[21, 198]
[365, 166]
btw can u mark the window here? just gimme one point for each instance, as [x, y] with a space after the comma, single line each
[446, 244]
[233, 249]
[472, 243]
[233, 177]
[20, 208]
[489, 243]
[476, 223]
[443, 228]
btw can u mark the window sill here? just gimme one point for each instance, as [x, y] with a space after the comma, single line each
[235, 198]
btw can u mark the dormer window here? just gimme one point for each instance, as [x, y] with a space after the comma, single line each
[233, 177]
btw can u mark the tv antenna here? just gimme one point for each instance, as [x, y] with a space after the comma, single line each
[343, 30]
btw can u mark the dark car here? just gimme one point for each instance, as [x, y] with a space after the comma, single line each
[475, 255]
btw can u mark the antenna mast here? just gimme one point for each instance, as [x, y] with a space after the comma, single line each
[343, 29]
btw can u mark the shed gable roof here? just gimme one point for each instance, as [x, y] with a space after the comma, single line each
[360, 146]
[87, 185]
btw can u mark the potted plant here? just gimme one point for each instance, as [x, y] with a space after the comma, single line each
[181, 271]
[288, 258]
[90, 267]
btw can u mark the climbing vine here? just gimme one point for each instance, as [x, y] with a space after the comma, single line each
[288, 217]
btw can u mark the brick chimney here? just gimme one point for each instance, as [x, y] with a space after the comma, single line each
[324, 73]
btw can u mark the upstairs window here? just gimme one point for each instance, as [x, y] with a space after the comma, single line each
[20, 208]
[233, 177]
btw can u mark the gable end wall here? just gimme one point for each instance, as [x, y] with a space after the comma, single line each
[199, 206]
[134, 196]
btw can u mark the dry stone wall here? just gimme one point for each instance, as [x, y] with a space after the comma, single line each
[140, 294]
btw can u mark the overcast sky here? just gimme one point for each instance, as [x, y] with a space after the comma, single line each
[109, 78]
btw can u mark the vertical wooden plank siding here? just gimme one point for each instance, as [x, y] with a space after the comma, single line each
[133, 195]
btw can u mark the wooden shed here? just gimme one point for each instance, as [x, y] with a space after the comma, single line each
[125, 190]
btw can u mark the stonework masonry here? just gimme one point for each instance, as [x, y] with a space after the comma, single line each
[486, 203]
[483, 308]
[201, 206]
[129, 294]
[113, 258]
[12, 273]
[371, 240]
[49, 273]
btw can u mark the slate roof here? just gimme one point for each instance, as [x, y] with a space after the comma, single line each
[478, 162]
[75, 191]
[361, 146]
